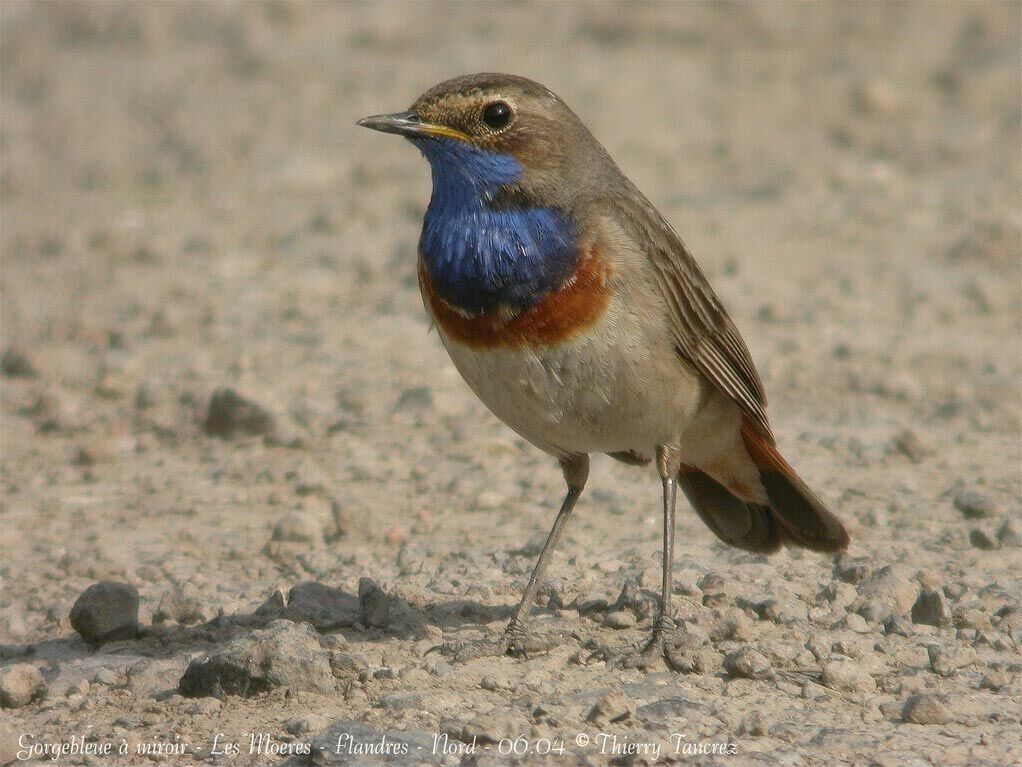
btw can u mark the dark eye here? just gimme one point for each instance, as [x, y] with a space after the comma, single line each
[497, 115]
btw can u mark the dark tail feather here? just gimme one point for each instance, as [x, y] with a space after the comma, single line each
[803, 517]
[738, 523]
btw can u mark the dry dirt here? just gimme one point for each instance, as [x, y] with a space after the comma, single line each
[188, 206]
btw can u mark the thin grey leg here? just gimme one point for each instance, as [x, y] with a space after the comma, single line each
[668, 464]
[576, 472]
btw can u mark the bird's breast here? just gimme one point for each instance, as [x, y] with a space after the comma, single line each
[576, 305]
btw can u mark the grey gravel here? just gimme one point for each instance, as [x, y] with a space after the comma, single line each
[106, 611]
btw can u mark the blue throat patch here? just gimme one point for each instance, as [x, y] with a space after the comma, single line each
[480, 256]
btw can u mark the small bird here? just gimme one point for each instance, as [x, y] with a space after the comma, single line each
[577, 315]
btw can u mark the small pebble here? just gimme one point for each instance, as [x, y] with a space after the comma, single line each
[892, 587]
[106, 610]
[974, 504]
[853, 571]
[946, 660]
[179, 606]
[932, 608]
[855, 622]
[376, 604]
[16, 364]
[231, 415]
[847, 675]
[20, 685]
[1010, 533]
[907, 443]
[621, 619]
[981, 539]
[995, 680]
[748, 663]
[416, 401]
[297, 527]
[925, 709]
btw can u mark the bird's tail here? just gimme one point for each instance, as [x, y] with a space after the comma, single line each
[794, 516]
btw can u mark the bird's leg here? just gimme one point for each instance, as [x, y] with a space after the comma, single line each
[668, 465]
[516, 639]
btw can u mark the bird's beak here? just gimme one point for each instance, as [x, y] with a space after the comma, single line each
[409, 124]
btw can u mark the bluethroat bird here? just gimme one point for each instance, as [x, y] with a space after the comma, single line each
[578, 316]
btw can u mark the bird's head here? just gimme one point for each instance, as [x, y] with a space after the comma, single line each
[502, 135]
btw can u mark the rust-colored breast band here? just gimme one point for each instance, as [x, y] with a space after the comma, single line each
[575, 306]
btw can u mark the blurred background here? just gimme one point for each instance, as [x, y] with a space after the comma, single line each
[187, 205]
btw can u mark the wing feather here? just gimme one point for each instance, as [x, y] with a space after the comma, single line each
[705, 334]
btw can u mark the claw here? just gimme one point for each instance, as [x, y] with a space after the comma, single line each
[644, 655]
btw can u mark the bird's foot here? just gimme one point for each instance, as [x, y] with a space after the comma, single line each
[659, 649]
[516, 641]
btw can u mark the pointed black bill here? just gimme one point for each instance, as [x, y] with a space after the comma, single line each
[408, 124]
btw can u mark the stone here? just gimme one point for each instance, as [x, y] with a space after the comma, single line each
[375, 604]
[786, 610]
[16, 364]
[891, 587]
[416, 401]
[324, 607]
[748, 663]
[1010, 533]
[995, 680]
[855, 622]
[20, 685]
[848, 676]
[974, 504]
[839, 594]
[296, 527]
[621, 619]
[285, 654]
[180, 606]
[932, 608]
[981, 539]
[106, 611]
[908, 444]
[853, 571]
[230, 415]
[948, 660]
[925, 709]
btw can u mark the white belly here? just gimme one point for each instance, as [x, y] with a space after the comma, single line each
[615, 387]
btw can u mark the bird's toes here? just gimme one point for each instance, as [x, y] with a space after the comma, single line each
[461, 652]
[527, 645]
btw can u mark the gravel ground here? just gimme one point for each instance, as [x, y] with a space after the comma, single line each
[233, 447]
